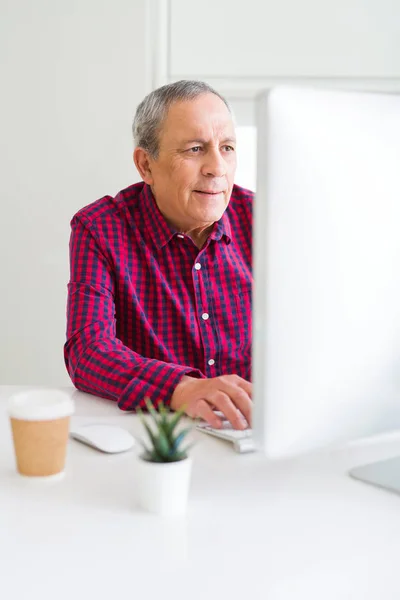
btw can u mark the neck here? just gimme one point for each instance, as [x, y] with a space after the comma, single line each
[199, 237]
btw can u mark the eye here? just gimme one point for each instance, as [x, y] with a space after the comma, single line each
[194, 149]
[228, 148]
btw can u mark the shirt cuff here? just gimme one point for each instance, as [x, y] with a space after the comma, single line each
[158, 383]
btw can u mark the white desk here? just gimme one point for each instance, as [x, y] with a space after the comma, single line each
[298, 529]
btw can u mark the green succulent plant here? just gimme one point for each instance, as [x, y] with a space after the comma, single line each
[164, 436]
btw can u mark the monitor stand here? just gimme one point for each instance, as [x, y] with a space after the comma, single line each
[384, 474]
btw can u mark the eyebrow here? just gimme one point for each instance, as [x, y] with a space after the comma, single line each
[201, 141]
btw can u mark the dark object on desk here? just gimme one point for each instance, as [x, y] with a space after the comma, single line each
[384, 474]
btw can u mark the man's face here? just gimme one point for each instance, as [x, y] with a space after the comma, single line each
[192, 177]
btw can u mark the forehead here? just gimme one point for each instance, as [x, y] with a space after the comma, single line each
[203, 117]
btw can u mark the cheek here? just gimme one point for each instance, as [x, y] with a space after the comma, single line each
[230, 172]
[232, 165]
[185, 176]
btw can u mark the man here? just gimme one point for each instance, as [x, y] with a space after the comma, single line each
[159, 299]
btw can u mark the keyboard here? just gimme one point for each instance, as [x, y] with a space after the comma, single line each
[242, 439]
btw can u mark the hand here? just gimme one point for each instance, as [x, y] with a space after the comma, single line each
[229, 394]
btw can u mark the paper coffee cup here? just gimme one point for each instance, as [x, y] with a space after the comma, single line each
[40, 427]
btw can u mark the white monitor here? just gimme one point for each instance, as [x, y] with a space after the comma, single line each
[326, 306]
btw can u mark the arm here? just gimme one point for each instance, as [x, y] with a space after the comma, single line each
[97, 361]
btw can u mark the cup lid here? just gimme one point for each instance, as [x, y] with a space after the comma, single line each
[40, 405]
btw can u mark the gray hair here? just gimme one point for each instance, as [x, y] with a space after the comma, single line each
[151, 112]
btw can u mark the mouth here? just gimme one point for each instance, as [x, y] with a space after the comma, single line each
[208, 192]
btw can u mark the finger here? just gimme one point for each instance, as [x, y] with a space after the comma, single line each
[244, 403]
[224, 404]
[203, 410]
[241, 400]
[246, 386]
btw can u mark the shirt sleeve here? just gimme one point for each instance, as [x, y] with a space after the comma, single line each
[96, 360]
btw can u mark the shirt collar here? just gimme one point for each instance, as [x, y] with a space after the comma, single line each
[222, 229]
[162, 232]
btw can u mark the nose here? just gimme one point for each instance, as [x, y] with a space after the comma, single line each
[214, 164]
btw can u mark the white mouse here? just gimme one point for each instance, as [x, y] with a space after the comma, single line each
[106, 438]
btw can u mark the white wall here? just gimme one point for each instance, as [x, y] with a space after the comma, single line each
[263, 39]
[72, 74]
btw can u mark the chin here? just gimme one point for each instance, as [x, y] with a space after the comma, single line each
[214, 213]
[212, 216]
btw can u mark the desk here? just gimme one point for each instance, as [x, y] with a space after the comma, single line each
[295, 529]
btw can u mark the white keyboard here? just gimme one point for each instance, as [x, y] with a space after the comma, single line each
[242, 439]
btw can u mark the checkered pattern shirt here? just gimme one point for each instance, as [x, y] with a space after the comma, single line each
[146, 306]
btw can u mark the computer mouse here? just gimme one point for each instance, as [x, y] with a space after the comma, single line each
[106, 438]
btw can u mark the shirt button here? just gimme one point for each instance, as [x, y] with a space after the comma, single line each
[179, 235]
[197, 266]
[211, 362]
[205, 316]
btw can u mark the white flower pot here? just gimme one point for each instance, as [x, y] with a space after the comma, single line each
[163, 488]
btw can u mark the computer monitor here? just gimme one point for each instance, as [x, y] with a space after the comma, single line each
[326, 305]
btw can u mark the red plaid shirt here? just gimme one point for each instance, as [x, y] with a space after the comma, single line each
[146, 306]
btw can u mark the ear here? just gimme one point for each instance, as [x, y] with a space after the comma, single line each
[142, 160]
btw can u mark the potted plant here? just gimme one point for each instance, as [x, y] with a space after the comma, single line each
[164, 468]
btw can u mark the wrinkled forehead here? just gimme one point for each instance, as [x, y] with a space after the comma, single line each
[206, 117]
